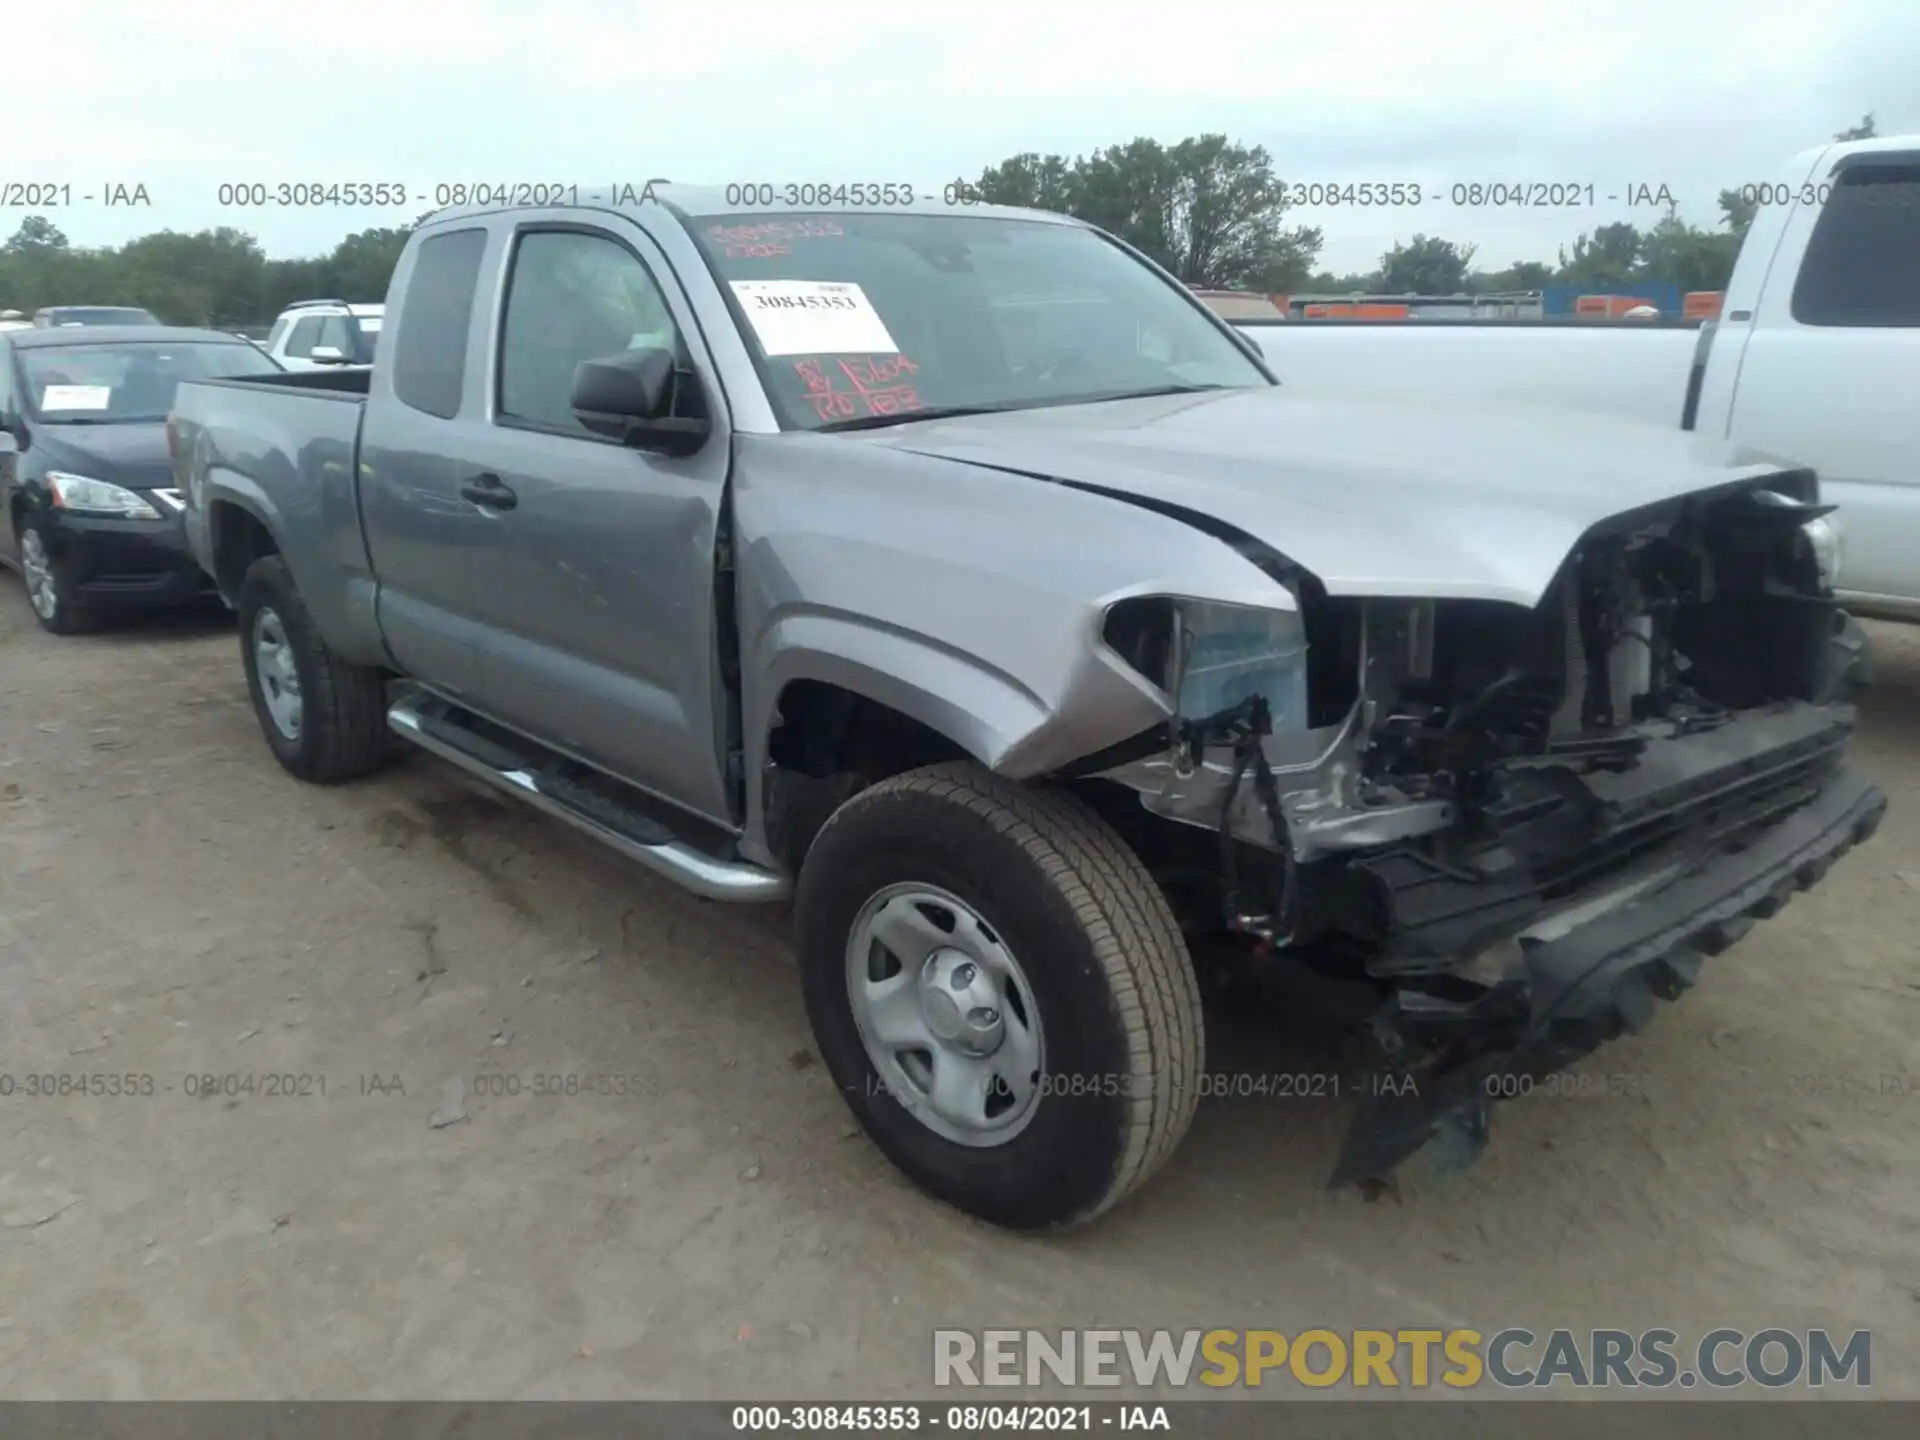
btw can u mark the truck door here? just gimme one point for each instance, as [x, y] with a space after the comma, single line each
[415, 463]
[596, 584]
[1831, 371]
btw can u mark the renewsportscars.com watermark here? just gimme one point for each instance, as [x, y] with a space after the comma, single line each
[1512, 1358]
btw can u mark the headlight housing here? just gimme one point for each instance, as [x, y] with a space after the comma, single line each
[85, 495]
[1209, 657]
[1829, 548]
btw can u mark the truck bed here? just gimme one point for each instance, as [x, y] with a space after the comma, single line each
[339, 382]
[289, 444]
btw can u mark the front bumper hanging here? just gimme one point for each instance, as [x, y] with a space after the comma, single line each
[1594, 982]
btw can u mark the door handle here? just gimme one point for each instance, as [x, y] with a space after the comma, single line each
[489, 492]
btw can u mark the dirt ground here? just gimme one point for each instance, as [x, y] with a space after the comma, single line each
[172, 905]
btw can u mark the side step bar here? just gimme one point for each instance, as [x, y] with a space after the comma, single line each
[420, 718]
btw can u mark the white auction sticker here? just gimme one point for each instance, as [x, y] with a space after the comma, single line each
[813, 317]
[75, 397]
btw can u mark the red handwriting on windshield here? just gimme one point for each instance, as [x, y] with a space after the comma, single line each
[876, 386]
[769, 237]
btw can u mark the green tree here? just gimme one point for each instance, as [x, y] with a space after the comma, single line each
[1207, 209]
[1032, 181]
[1691, 258]
[1426, 265]
[1355, 282]
[1524, 275]
[1605, 258]
[37, 235]
[1863, 131]
[361, 265]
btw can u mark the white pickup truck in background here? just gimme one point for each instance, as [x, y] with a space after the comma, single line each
[1816, 356]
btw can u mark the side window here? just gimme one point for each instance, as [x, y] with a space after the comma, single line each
[430, 353]
[306, 334]
[573, 297]
[1860, 266]
[280, 328]
[7, 406]
[337, 332]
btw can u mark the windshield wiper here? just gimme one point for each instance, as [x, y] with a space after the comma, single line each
[1154, 393]
[948, 412]
[902, 417]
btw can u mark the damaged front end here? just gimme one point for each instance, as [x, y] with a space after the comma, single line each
[1518, 826]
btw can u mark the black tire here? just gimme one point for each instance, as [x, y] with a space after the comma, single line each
[67, 617]
[1116, 990]
[343, 709]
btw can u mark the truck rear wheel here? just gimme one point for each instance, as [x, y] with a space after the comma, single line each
[1001, 992]
[324, 719]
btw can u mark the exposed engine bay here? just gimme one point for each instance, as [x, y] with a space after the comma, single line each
[1471, 776]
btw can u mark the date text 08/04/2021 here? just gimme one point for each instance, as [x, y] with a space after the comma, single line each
[856, 1419]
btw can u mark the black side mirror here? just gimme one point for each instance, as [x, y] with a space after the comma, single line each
[629, 397]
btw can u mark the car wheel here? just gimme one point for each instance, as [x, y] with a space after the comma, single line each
[49, 590]
[1001, 993]
[324, 718]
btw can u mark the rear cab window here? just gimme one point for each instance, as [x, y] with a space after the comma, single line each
[1862, 263]
[429, 352]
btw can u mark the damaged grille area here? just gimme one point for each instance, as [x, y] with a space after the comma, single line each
[1519, 826]
[1666, 695]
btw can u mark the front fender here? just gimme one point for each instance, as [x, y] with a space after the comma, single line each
[967, 598]
[983, 710]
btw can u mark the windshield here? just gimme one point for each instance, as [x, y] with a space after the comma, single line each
[856, 317]
[99, 315]
[126, 384]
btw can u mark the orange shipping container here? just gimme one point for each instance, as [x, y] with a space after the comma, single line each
[1610, 306]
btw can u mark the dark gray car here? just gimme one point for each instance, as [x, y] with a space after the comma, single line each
[952, 570]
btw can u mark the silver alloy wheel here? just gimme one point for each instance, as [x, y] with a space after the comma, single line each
[279, 679]
[36, 566]
[945, 1011]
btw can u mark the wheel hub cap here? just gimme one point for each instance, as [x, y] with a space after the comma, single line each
[961, 1003]
[946, 1014]
[279, 676]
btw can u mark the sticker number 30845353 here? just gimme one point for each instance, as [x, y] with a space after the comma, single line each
[813, 317]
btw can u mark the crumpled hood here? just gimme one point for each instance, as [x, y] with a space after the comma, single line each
[1373, 497]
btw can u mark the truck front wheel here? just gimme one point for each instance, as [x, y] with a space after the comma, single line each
[324, 719]
[1001, 993]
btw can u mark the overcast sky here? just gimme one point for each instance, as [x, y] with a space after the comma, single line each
[183, 95]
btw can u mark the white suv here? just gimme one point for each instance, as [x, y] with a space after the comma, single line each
[312, 333]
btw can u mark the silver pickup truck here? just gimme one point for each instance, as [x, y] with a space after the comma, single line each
[954, 572]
